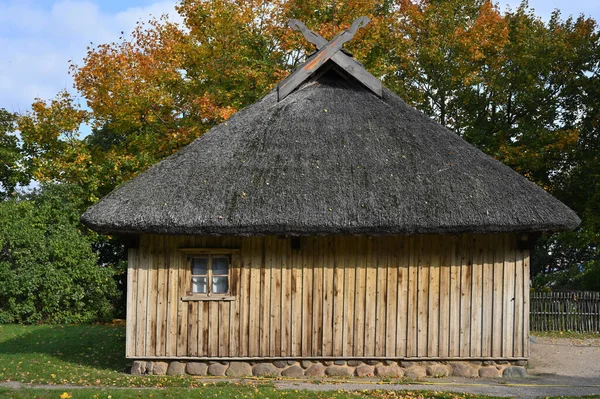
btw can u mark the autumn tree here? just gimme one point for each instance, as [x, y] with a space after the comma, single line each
[523, 90]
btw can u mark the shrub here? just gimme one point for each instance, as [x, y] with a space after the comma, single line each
[48, 271]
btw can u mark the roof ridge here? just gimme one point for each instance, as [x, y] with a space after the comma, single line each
[328, 51]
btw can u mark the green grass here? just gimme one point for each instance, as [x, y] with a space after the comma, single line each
[225, 392]
[79, 355]
[565, 334]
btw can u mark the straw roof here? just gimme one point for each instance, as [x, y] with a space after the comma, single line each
[330, 158]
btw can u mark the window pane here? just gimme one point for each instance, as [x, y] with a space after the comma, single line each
[220, 266]
[220, 285]
[199, 265]
[199, 285]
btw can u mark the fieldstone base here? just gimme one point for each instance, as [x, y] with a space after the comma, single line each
[337, 368]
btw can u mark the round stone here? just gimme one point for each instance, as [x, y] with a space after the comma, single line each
[196, 368]
[389, 371]
[338, 371]
[138, 368]
[160, 368]
[239, 369]
[316, 370]
[514, 371]
[364, 370]
[415, 372]
[176, 368]
[460, 369]
[294, 371]
[265, 370]
[489, 372]
[217, 369]
[438, 370]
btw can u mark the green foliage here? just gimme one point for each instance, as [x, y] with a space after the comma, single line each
[12, 168]
[48, 271]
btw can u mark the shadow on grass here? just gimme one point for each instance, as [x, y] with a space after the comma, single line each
[96, 346]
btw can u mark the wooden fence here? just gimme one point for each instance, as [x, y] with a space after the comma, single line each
[565, 311]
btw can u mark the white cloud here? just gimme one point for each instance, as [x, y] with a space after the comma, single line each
[36, 43]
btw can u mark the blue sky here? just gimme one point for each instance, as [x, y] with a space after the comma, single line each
[39, 37]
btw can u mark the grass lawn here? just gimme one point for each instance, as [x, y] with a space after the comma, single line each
[225, 392]
[77, 355]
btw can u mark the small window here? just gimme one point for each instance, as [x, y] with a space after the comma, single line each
[210, 275]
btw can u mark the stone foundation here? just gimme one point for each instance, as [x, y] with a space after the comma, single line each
[334, 368]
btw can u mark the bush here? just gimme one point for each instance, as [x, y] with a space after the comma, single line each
[48, 271]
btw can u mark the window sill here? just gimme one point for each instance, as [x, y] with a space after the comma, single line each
[207, 298]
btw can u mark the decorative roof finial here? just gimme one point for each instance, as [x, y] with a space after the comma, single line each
[328, 51]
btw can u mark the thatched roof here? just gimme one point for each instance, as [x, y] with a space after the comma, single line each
[331, 158]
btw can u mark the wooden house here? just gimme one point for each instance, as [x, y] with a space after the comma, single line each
[325, 228]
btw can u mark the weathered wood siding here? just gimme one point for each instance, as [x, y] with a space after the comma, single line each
[335, 297]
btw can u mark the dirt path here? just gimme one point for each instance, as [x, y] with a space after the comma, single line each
[565, 357]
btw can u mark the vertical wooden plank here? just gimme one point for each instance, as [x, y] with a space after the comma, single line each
[142, 298]
[255, 294]
[192, 339]
[184, 279]
[526, 278]
[213, 328]
[317, 316]
[234, 308]
[445, 281]
[338, 295]
[381, 294]
[487, 279]
[204, 330]
[519, 301]
[476, 294]
[327, 293]
[498, 287]
[371, 295]
[509, 296]
[412, 295]
[223, 323]
[349, 248]
[275, 327]
[308, 252]
[424, 259]
[151, 302]
[199, 333]
[171, 261]
[131, 310]
[244, 296]
[455, 294]
[466, 283]
[360, 295]
[433, 331]
[391, 298]
[286, 294]
[403, 253]
[162, 297]
[265, 297]
[297, 294]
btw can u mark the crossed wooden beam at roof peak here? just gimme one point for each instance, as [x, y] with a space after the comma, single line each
[328, 50]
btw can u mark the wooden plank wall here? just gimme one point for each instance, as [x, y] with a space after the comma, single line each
[440, 297]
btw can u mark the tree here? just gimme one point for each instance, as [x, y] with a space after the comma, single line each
[48, 272]
[13, 171]
[523, 90]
